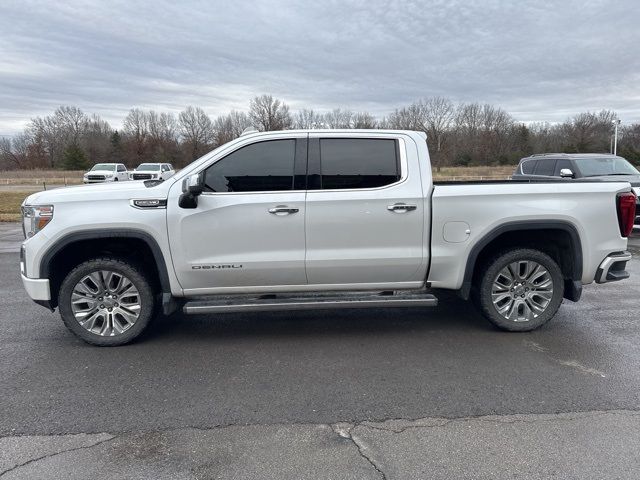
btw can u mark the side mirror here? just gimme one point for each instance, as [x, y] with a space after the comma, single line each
[192, 187]
[566, 173]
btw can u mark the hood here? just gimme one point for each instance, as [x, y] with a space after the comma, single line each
[634, 180]
[100, 191]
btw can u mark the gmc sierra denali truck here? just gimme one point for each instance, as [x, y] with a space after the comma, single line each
[317, 219]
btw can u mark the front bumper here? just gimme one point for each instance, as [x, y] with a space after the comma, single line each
[612, 268]
[37, 288]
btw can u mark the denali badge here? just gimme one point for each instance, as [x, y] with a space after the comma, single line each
[212, 267]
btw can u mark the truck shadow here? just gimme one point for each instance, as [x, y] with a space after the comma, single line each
[451, 314]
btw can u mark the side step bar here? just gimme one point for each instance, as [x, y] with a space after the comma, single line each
[268, 303]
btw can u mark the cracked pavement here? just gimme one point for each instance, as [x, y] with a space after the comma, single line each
[356, 394]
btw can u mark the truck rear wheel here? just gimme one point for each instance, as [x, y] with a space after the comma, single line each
[520, 290]
[106, 301]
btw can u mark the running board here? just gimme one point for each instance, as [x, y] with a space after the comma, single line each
[269, 303]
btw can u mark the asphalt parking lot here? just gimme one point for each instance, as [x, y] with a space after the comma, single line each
[417, 393]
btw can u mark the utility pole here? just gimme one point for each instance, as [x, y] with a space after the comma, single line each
[615, 137]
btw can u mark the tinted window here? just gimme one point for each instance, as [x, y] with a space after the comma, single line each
[259, 167]
[563, 163]
[358, 163]
[545, 166]
[528, 166]
[121, 168]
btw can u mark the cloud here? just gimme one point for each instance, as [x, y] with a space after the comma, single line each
[541, 61]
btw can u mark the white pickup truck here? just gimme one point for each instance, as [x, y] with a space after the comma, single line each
[317, 219]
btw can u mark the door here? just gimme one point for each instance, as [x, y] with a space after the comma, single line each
[247, 231]
[122, 172]
[365, 215]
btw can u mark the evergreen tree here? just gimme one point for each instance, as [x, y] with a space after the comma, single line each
[117, 152]
[74, 159]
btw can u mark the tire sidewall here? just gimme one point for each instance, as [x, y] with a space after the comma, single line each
[498, 263]
[147, 303]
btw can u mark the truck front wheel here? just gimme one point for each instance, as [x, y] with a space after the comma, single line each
[106, 301]
[520, 290]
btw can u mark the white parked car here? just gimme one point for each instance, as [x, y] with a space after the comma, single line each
[152, 171]
[303, 219]
[106, 172]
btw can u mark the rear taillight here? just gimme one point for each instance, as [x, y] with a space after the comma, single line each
[626, 212]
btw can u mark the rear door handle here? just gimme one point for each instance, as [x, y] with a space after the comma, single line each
[283, 210]
[401, 207]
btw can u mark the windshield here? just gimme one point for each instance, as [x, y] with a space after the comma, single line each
[597, 166]
[148, 167]
[104, 166]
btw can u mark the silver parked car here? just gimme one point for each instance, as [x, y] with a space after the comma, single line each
[106, 172]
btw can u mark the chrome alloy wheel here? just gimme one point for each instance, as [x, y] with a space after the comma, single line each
[522, 291]
[105, 303]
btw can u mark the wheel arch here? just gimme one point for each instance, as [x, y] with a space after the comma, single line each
[103, 239]
[540, 234]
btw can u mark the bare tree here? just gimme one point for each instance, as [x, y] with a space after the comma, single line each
[412, 117]
[163, 136]
[307, 119]
[589, 132]
[96, 139]
[72, 123]
[338, 118]
[267, 113]
[136, 132]
[438, 114]
[229, 127]
[363, 120]
[10, 155]
[197, 130]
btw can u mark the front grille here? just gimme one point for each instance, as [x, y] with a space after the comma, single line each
[96, 177]
[142, 176]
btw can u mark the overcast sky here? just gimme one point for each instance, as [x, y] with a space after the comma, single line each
[541, 61]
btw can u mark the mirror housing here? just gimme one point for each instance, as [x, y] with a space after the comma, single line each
[192, 187]
[566, 173]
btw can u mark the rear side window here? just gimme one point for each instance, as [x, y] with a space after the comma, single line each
[545, 167]
[528, 166]
[259, 167]
[358, 163]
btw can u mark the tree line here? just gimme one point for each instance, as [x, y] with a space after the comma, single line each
[461, 134]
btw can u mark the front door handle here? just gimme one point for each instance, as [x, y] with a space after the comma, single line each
[401, 207]
[283, 210]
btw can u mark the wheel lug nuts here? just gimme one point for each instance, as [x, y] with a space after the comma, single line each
[112, 308]
[101, 306]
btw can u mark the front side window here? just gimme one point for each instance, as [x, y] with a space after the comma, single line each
[259, 167]
[563, 164]
[358, 163]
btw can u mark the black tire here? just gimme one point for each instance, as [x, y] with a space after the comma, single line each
[522, 301]
[145, 297]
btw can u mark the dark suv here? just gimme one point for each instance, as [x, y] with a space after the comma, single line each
[598, 166]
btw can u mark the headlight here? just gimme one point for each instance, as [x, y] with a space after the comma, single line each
[35, 218]
[109, 175]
